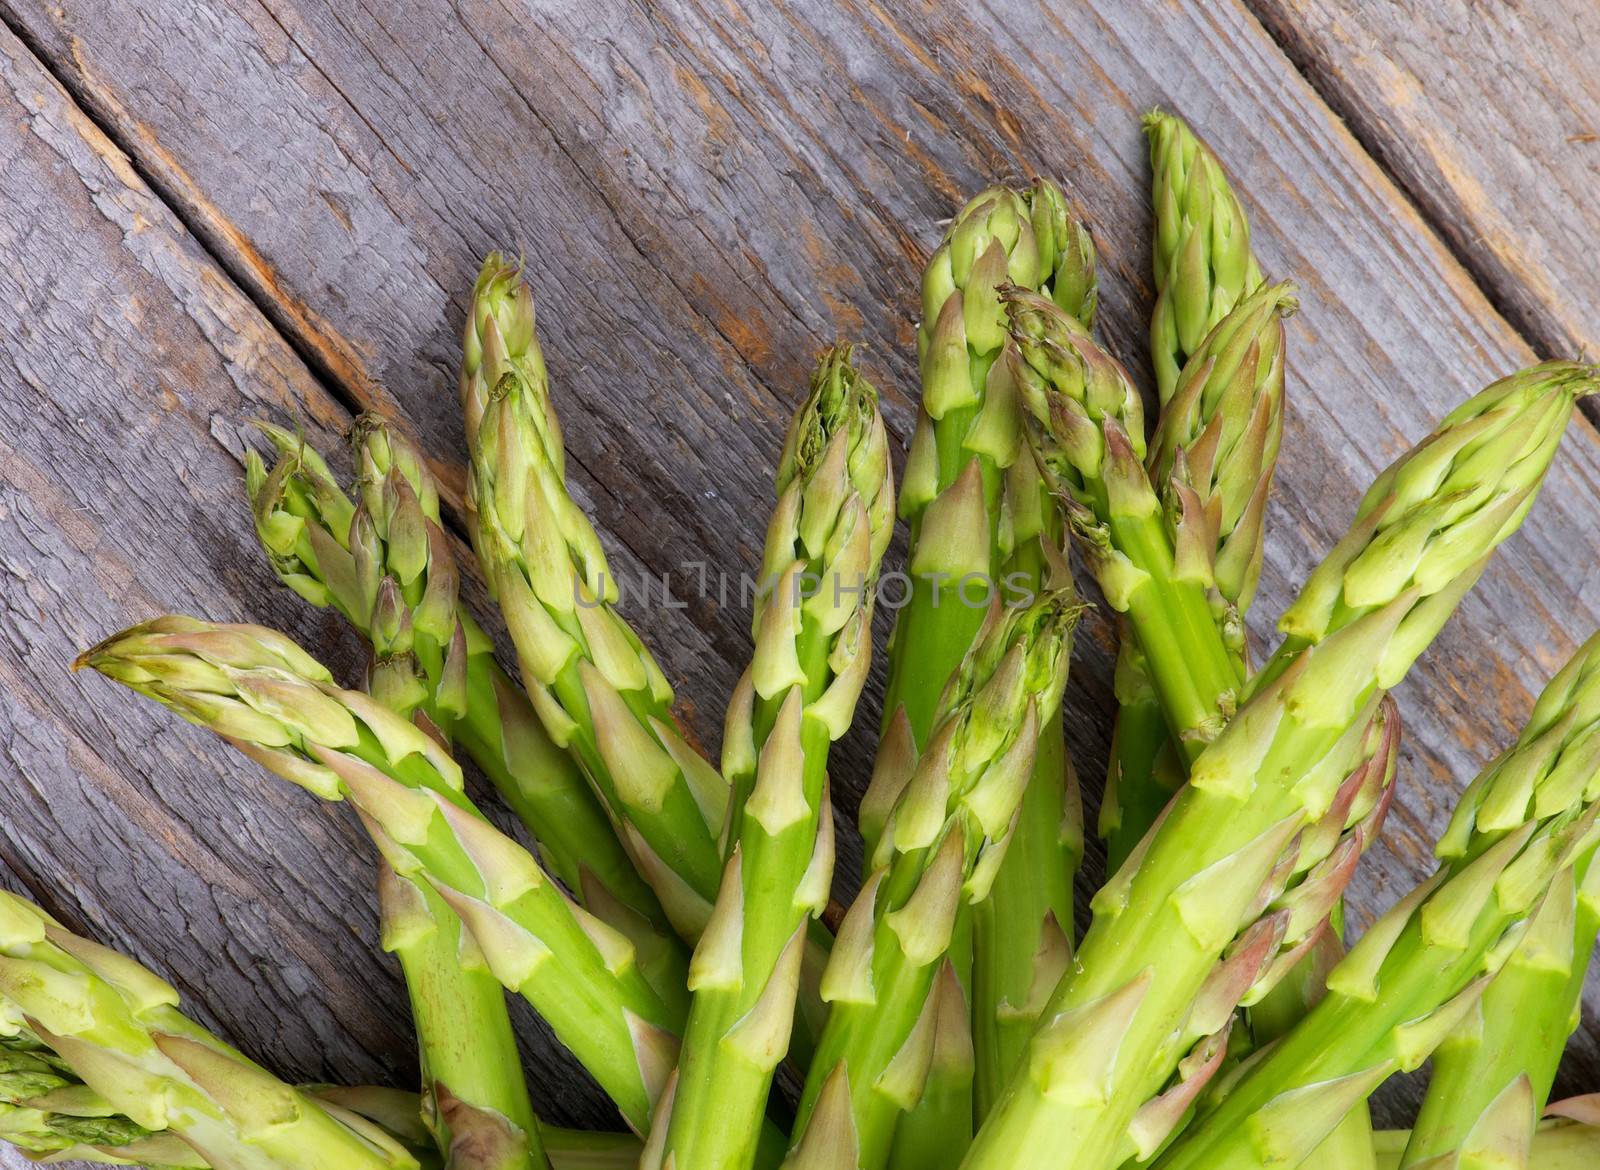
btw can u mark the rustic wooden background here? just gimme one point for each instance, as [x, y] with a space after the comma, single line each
[213, 210]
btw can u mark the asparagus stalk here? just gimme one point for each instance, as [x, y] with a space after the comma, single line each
[267, 697]
[597, 689]
[813, 648]
[397, 1113]
[568, 1149]
[1559, 1143]
[1212, 459]
[1351, 1145]
[143, 1074]
[384, 562]
[1203, 262]
[968, 431]
[1422, 537]
[1031, 905]
[471, 1069]
[576, 1150]
[1518, 1033]
[1532, 1006]
[944, 839]
[1203, 269]
[393, 572]
[935, 1133]
[1578, 1118]
[1525, 827]
[1086, 425]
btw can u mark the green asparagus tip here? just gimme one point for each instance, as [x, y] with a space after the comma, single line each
[1429, 521]
[286, 441]
[370, 436]
[501, 294]
[381, 448]
[840, 399]
[298, 461]
[1067, 260]
[174, 654]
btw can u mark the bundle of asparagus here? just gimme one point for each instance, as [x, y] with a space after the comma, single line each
[667, 922]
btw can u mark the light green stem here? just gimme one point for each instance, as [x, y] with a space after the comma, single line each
[464, 1034]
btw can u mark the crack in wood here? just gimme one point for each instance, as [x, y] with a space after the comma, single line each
[1545, 338]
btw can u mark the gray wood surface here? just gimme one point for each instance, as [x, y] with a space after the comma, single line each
[130, 364]
[1489, 118]
[704, 195]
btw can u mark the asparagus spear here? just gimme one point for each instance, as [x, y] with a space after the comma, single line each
[941, 846]
[267, 697]
[53, 1117]
[968, 431]
[398, 583]
[502, 333]
[1212, 459]
[1203, 267]
[980, 522]
[597, 689]
[1532, 1006]
[1417, 976]
[1213, 456]
[1421, 538]
[813, 647]
[48, 1112]
[1031, 906]
[1203, 262]
[145, 1074]
[468, 1051]
[384, 562]
[1086, 426]
[1559, 1143]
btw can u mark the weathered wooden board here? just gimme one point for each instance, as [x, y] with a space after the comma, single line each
[705, 194]
[1488, 115]
[129, 361]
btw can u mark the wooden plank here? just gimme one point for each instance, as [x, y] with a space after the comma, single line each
[1488, 115]
[129, 362]
[706, 193]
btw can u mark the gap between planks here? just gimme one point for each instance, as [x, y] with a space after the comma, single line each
[331, 358]
[319, 346]
[353, 398]
[1374, 146]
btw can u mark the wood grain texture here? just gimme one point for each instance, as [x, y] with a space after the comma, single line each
[128, 362]
[1489, 117]
[707, 193]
